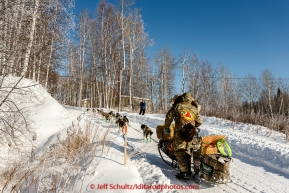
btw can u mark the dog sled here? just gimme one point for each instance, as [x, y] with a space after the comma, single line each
[215, 156]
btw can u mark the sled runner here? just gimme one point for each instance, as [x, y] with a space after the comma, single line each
[167, 155]
[214, 162]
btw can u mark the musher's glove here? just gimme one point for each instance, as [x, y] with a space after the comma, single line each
[167, 131]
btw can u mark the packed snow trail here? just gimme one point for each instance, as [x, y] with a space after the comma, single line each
[247, 175]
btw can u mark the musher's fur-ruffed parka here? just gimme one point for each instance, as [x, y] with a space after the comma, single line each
[183, 104]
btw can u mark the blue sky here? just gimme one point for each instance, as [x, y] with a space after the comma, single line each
[245, 36]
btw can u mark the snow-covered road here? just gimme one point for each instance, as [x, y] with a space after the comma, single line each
[248, 174]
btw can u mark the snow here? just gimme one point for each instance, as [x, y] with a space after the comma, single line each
[260, 161]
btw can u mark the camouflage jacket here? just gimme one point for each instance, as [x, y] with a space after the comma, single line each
[178, 111]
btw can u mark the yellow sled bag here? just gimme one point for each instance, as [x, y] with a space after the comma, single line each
[161, 134]
[209, 144]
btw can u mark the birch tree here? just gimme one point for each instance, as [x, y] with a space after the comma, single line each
[184, 64]
[125, 7]
[138, 40]
[31, 36]
[226, 93]
[194, 77]
[83, 27]
[207, 87]
[251, 90]
[166, 65]
[268, 86]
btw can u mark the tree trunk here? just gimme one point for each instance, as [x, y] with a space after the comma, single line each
[119, 89]
[48, 65]
[31, 36]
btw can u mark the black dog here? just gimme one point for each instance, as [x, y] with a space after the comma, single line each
[146, 132]
[120, 123]
[125, 119]
[111, 113]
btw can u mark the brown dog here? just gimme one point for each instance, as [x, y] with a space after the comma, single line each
[106, 116]
[120, 122]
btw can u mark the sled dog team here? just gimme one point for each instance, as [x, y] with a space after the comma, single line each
[122, 121]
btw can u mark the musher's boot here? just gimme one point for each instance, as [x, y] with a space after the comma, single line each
[183, 176]
[197, 179]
